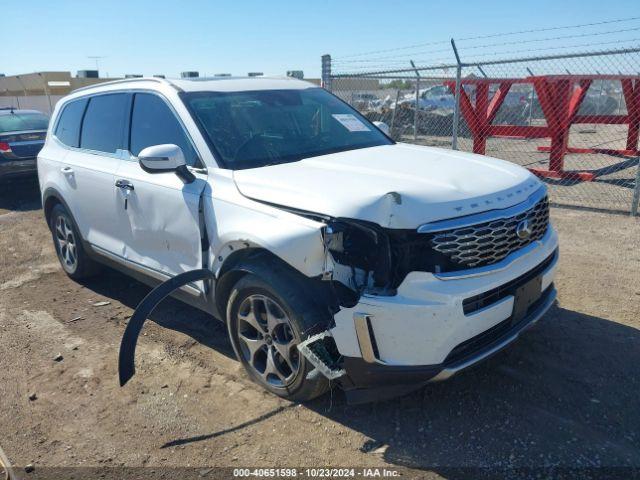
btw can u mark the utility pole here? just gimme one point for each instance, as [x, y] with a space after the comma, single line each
[456, 110]
[97, 58]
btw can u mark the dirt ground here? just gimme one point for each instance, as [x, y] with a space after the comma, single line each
[565, 398]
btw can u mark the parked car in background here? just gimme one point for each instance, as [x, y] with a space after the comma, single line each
[441, 97]
[432, 98]
[331, 252]
[22, 136]
[365, 101]
[599, 102]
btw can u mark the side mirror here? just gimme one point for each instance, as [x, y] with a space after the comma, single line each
[383, 127]
[165, 158]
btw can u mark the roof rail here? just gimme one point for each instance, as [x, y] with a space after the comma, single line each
[128, 80]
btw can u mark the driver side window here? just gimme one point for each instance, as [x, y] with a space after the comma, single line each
[154, 123]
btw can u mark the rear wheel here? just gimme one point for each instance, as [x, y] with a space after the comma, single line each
[266, 323]
[66, 239]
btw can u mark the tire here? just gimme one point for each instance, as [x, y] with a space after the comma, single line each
[68, 244]
[280, 304]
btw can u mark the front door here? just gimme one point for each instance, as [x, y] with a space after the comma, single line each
[158, 214]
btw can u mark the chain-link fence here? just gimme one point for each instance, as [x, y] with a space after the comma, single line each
[572, 119]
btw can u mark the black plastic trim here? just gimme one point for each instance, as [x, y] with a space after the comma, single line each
[488, 298]
[126, 358]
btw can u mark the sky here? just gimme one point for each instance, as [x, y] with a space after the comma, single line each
[167, 37]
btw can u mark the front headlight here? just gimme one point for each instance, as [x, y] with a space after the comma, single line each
[360, 245]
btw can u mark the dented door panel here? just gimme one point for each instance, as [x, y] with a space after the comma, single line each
[160, 224]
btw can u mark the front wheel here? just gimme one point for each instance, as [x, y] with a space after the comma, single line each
[266, 323]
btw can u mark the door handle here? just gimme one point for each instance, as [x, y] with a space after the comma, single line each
[125, 185]
[66, 170]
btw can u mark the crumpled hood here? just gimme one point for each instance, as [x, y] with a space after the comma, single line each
[395, 186]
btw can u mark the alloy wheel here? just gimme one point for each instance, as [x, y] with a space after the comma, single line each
[66, 240]
[267, 340]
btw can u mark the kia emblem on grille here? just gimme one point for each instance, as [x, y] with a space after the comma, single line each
[523, 229]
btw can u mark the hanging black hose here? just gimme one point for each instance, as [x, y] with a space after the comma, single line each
[126, 358]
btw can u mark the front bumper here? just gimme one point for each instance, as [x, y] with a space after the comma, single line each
[367, 381]
[429, 332]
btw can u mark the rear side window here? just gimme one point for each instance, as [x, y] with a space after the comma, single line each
[154, 123]
[103, 123]
[68, 128]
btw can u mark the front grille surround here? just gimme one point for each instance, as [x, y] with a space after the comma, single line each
[489, 242]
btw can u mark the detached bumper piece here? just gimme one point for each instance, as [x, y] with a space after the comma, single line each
[321, 351]
[366, 382]
[126, 358]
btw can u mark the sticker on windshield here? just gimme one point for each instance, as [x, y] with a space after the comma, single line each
[350, 122]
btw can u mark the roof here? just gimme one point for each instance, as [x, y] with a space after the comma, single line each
[215, 84]
[235, 84]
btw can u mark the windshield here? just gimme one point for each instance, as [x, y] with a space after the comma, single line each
[267, 127]
[16, 122]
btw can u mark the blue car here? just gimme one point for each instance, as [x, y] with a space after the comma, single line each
[22, 135]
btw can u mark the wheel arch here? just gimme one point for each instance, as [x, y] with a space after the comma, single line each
[270, 268]
[50, 198]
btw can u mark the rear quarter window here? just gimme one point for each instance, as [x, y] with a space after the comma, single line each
[68, 127]
[103, 124]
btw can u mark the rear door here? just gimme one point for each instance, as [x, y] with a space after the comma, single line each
[158, 214]
[89, 169]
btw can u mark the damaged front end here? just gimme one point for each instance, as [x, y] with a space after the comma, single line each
[370, 259]
[360, 259]
[366, 259]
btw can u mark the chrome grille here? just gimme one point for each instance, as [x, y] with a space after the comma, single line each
[486, 243]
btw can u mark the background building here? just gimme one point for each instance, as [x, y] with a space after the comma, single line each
[41, 90]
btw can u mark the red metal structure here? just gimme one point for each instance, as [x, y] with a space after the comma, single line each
[560, 98]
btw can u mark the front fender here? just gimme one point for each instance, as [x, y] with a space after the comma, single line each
[233, 226]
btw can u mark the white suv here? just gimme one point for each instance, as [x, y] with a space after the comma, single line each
[330, 251]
